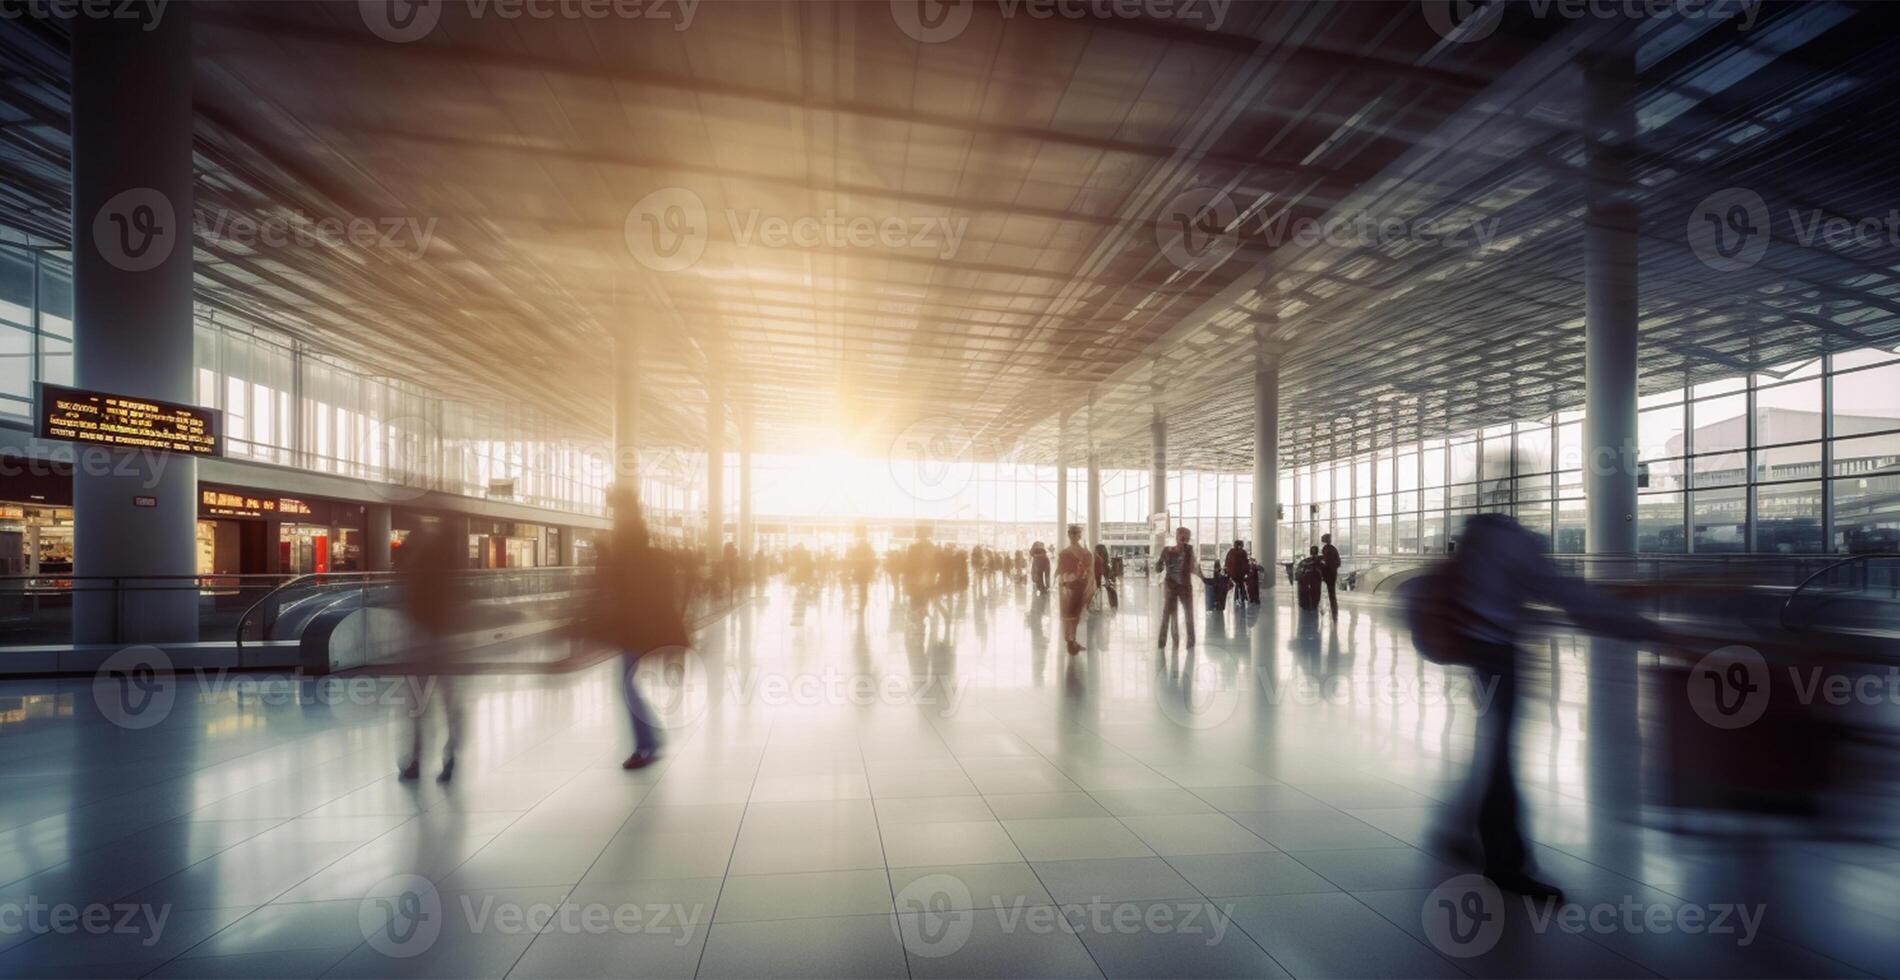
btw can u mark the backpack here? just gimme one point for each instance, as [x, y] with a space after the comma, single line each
[1432, 610]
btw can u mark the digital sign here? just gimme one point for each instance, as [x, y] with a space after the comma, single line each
[220, 503]
[128, 423]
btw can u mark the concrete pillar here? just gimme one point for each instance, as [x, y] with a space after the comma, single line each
[132, 278]
[715, 465]
[1095, 501]
[1062, 482]
[627, 413]
[1158, 477]
[377, 524]
[1610, 296]
[747, 539]
[1266, 449]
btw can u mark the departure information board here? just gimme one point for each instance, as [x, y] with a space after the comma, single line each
[129, 423]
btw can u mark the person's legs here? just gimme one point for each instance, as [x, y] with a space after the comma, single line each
[1167, 614]
[451, 721]
[1499, 833]
[1332, 596]
[646, 740]
[416, 706]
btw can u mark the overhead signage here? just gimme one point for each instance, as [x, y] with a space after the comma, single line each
[103, 419]
[220, 503]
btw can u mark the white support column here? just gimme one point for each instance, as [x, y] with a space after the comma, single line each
[1095, 501]
[715, 464]
[626, 473]
[1266, 448]
[1610, 306]
[747, 540]
[1158, 473]
[1062, 482]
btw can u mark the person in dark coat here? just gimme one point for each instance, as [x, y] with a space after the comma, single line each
[1329, 570]
[432, 567]
[1236, 567]
[637, 608]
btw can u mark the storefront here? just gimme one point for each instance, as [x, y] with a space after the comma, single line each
[36, 517]
[244, 531]
[508, 544]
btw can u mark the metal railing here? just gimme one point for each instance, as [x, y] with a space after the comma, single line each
[37, 610]
[283, 612]
[1859, 594]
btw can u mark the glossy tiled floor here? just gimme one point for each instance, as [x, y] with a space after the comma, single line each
[882, 793]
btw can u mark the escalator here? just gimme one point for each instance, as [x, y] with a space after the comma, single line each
[354, 621]
[1851, 606]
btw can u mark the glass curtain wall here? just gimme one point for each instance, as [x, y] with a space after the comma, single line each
[1800, 458]
[288, 405]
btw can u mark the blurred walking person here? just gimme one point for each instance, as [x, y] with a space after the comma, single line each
[1329, 570]
[1178, 569]
[1236, 568]
[637, 610]
[1075, 576]
[432, 568]
[1470, 610]
[1104, 577]
[1039, 566]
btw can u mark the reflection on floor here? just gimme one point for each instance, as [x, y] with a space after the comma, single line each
[889, 793]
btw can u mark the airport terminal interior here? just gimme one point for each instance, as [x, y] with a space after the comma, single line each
[949, 489]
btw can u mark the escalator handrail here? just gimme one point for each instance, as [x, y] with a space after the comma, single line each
[324, 580]
[1788, 603]
[318, 579]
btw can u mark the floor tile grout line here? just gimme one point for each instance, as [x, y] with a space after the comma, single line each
[757, 768]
